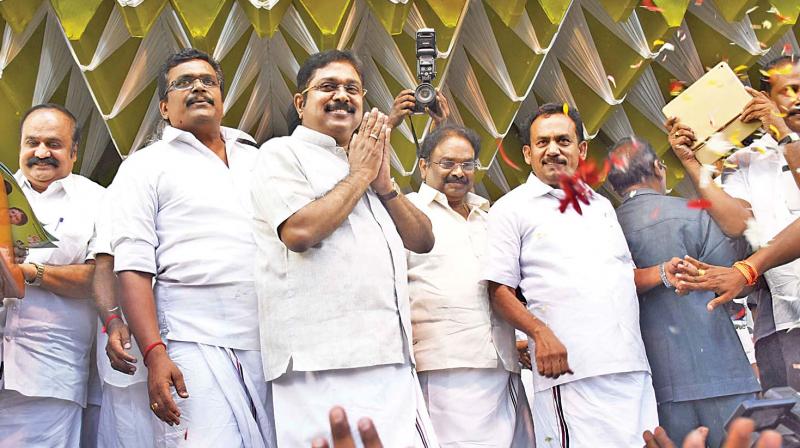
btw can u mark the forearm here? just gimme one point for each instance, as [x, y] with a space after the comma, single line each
[729, 213]
[317, 220]
[103, 285]
[646, 279]
[505, 303]
[413, 226]
[792, 155]
[138, 303]
[72, 281]
[785, 247]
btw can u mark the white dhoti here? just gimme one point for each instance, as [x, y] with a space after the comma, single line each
[474, 407]
[125, 417]
[607, 411]
[229, 401]
[390, 395]
[38, 422]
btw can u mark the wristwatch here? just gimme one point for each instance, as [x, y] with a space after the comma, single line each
[37, 281]
[791, 137]
[390, 195]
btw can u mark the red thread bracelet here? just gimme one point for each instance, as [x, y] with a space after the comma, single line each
[150, 348]
[108, 321]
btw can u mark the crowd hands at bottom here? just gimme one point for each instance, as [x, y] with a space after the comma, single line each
[740, 435]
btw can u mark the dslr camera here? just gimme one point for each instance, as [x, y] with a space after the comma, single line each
[425, 94]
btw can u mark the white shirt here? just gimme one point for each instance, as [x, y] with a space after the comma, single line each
[576, 274]
[102, 236]
[452, 319]
[48, 338]
[184, 216]
[761, 179]
[342, 303]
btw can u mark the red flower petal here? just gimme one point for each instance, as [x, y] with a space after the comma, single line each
[699, 204]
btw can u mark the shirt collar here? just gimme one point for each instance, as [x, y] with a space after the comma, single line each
[429, 194]
[766, 141]
[537, 187]
[170, 134]
[66, 183]
[315, 138]
[640, 192]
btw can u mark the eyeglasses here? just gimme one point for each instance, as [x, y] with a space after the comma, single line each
[187, 82]
[330, 87]
[467, 167]
[663, 165]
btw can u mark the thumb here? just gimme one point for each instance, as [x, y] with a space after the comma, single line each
[180, 385]
[724, 298]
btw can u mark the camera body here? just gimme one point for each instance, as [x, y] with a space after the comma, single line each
[425, 93]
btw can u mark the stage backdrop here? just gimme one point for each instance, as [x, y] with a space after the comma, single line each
[617, 61]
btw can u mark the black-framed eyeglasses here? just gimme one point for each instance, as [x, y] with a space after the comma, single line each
[187, 82]
[467, 167]
[351, 89]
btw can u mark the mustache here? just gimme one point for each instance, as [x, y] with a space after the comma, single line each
[47, 161]
[340, 105]
[456, 180]
[555, 160]
[197, 98]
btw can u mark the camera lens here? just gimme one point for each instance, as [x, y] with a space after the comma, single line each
[425, 94]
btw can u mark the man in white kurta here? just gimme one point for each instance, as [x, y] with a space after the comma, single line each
[466, 356]
[182, 216]
[331, 266]
[591, 376]
[48, 335]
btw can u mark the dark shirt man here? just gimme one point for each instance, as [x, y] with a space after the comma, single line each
[700, 370]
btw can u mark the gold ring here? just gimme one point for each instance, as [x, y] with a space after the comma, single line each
[701, 272]
[154, 406]
[373, 136]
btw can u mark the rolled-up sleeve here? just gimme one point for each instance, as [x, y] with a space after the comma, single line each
[501, 263]
[280, 187]
[734, 181]
[133, 216]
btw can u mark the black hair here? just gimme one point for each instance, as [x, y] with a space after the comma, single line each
[433, 139]
[186, 55]
[319, 60]
[635, 165]
[76, 128]
[552, 109]
[766, 86]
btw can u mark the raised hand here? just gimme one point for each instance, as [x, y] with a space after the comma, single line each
[365, 151]
[762, 108]
[681, 139]
[402, 107]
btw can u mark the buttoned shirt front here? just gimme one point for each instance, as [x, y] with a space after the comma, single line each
[762, 178]
[48, 338]
[342, 303]
[453, 323]
[576, 274]
[185, 217]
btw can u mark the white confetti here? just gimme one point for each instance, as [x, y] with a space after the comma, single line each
[719, 145]
[754, 234]
[673, 329]
[706, 175]
[668, 47]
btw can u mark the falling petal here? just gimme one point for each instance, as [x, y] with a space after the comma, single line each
[751, 9]
[699, 204]
[698, 2]
[668, 47]
[654, 214]
[505, 157]
[638, 64]
[719, 145]
[612, 81]
[754, 234]
[706, 175]
[565, 108]
[673, 329]
[740, 68]
[676, 87]
[648, 5]
[767, 25]
[658, 42]
[730, 165]
[775, 131]
[779, 114]
[787, 49]
[760, 149]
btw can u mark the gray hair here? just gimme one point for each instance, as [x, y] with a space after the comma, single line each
[632, 162]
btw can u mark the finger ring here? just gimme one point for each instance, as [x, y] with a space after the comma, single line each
[154, 406]
[701, 272]
[373, 136]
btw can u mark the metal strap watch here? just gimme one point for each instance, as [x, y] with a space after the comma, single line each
[37, 280]
[791, 137]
